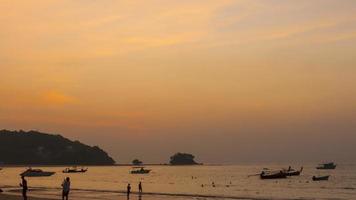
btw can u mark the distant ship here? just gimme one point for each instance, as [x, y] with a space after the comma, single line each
[36, 173]
[75, 170]
[329, 165]
[141, 170]
[320, 178]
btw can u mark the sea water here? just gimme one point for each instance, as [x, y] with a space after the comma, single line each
[230, 182]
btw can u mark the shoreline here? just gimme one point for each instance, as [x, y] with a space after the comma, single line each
[41, 193]
[87, 195]
[55, 193]
[19, 197]
[114, 165]
[38, 191]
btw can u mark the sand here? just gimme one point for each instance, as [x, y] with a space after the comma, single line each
[16, 197]
[11, 193]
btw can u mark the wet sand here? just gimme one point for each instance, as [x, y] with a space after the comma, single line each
[17, 197]
[119, 197]
[84, 196]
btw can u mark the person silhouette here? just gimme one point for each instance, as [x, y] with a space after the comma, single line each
[23, 184]
[66, 188]
[140, 187]
[128, 190]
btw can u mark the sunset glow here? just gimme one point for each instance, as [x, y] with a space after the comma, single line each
[223, 79]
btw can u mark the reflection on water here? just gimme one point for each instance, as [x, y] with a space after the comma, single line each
[190, 181]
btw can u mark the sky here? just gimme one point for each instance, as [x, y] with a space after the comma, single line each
[230, 81]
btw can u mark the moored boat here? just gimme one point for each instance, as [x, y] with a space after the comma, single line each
[36, 173]
[293, 172]
[320, 178]
[75, 170]
[273, 174]
[329, 165]
[141, 170]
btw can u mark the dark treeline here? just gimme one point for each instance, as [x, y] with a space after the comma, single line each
[35, 148]
[182, 159]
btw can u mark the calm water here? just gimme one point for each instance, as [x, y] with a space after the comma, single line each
[230, 181]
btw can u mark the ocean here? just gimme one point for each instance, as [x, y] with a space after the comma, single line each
[191, 182]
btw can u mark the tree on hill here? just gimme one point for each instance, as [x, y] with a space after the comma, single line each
[35, 148]
[137, 162]
[182, 159]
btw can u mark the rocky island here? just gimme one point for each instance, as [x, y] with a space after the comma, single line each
[137, 162]
[35, 148]
[182, 159]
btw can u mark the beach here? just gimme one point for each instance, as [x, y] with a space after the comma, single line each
[186, 182]
[119, 197]
[42, 193]
[17, 197]
[91, 196]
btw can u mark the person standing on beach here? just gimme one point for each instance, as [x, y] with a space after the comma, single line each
[23, 184]
[66, 188]
[140, 187]
[128, 190]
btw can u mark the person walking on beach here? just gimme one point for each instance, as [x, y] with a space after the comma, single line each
[23, 184]
[66, 188]
[140, 187]
[128, 190]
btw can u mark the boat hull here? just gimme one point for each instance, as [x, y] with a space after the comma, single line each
[326, 167]
[141, 172]
[34, 174]
[294, 173]
[74, 171]
[321, 178]
[280, 175]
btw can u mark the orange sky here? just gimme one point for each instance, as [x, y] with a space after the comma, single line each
[225, 80]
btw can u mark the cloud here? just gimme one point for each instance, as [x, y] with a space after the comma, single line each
[89, 30]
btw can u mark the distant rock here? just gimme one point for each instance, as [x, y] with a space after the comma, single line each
[137, 162]
[35, 148]
[182, 159]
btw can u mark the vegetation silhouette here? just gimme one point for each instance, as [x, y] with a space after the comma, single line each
[137, 162]
[182, 159]
[35, 148]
